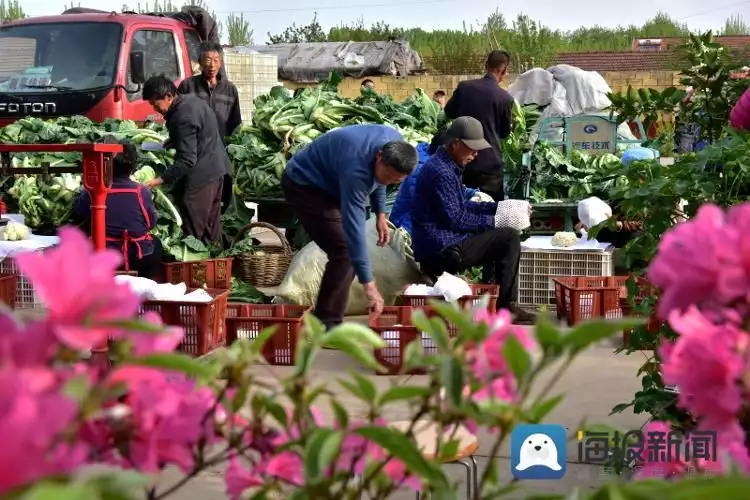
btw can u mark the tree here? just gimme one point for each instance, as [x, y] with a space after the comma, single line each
[238, 30]
[735, 25]
[168, 6]
[312, 32]
[10, 11]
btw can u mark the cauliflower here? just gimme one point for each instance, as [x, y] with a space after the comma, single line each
[15, 231]
[564, 239]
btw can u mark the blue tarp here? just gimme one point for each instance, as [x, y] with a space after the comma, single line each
[403, 206]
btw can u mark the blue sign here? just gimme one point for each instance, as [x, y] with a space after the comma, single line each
[538, 451]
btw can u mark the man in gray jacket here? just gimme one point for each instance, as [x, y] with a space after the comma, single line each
[201, 162]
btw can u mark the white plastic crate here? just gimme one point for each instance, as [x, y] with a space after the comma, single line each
[26, 297]
[537, 267]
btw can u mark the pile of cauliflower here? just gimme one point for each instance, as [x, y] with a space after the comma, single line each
[564, 239]
[15, 231]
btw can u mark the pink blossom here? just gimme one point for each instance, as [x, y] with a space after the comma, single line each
[239, 479]
[700, 261]
[395, 469]
[705, 364]
[26, 346]
[34, 416]
[78, 288]
[286, 466]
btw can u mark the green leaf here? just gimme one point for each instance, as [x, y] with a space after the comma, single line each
[257, 344]
[314, 328]
[354, 351]
[437, 332]
[620, 408]
[305, 357]
[516, 356]
[546, 333]
[353, 333]
[367, 386]
[414, 354]
[135, 325]
[342, 416]
[321, 447]
[77, 388]
[544, 408]
[175, 362]
[452, 376]
[593, 331]
[404, 392]
[398, 445]
[48, 490]
[462, 320]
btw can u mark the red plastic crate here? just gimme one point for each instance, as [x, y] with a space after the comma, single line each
[281, 348]
[478, 292]
[579, 298]
[203, 322]
[8, 289]
[209, 273]
[395, 326]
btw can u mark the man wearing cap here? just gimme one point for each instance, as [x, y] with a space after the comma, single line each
[451, 234]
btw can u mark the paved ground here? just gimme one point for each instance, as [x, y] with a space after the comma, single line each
[596, 382]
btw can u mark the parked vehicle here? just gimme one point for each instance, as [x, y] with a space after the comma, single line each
[94, 63]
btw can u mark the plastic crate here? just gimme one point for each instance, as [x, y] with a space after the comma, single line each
[8, 284]
[394, 326]
[26, 297]
[281, 348]
[537, 267]
[203, 322]
[209, 273]
[580, 298]
[478, 292]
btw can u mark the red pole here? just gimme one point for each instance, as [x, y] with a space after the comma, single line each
[97, 184]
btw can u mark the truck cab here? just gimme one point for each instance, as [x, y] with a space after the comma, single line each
[91, 64]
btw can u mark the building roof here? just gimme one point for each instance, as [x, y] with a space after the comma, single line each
[619, 61]
[734, 42]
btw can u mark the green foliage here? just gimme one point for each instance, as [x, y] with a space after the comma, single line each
[11, 10]
[238, 30]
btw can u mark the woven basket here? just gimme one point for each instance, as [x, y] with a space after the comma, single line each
[268, 269]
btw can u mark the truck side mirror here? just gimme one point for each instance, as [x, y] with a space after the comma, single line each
[138, 67]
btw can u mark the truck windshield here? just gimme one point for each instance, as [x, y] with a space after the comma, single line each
[48, 57]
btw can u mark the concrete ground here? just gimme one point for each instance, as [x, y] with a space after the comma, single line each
[598, 380]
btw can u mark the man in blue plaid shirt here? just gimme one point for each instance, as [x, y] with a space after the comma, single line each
[451, 234]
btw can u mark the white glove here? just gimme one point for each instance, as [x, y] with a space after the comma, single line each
[515, 214]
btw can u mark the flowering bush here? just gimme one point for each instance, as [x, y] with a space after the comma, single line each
[155, 408]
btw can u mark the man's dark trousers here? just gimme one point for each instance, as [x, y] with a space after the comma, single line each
[320, 216]
[497, 251]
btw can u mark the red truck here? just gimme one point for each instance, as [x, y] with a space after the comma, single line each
[93, 63]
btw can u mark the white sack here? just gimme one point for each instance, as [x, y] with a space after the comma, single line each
[392, 266]
[593, 211]
[451, 287]
[513, 214]
[533, 87]
[586, 91]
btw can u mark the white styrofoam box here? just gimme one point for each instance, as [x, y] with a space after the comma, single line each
[537, 267]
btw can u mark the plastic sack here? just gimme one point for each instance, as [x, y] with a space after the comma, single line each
[513, 214]
[451, 287]
[636, 154]
[586, 91]
[392, 266]
[593, 211]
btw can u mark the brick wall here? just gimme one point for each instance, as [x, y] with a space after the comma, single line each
[402, 87]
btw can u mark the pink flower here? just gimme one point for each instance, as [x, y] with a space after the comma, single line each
[78, 288]
[286, 466]
[239, 479]
[26, 346]
[395, 469]
[700, 261]
[34, 416]
[705, 363]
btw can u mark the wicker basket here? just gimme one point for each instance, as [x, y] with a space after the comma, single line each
[268, 269]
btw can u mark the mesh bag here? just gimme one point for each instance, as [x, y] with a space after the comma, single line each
[513, 214]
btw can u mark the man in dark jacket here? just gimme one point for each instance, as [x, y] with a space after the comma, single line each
[221, 95]
[484, 100]
[201, 162]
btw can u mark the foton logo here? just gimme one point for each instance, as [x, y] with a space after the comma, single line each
[590, 128]
[28, 108]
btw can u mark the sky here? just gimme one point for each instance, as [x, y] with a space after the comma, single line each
[446, 14]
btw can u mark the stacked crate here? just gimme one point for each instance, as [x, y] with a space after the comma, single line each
[253, 75]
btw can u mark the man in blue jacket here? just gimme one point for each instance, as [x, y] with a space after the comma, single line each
[451, 234]
[327, 184]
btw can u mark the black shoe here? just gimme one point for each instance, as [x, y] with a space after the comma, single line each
[521, 316]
